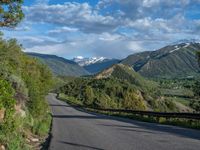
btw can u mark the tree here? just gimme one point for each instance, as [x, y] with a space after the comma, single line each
[10, 12]
[198, 57]
[196, 87]
[195, 104]
[134, 101]
[89, 95]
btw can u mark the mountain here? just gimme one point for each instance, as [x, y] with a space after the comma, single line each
[125, 73]
[177, 60]
[95, 64]
[88, 61]
[100, 66]
[186, 41]
[117, 87]
[60, 66]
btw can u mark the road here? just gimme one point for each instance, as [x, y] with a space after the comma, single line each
[73, 129]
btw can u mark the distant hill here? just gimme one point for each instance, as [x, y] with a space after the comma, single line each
[177, 60]
[100, 66]
[60, 66]
[126, 73]
[117, 87]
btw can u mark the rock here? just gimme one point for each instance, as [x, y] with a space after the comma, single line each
[34, 140]
[28, 140]
[2, 147]
[2, 114]
[22, 113]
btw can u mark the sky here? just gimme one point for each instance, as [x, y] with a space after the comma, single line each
[108, 28]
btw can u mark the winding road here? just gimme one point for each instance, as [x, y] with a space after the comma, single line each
[74, 129]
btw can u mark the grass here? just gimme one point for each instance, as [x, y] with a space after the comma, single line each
[70, 100]
[184, 101]
[194, 124]
[15, 134]
[178, 92]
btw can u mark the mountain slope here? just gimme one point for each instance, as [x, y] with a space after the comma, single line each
[60, 66]
[100, 66]
[171, 61]
[125, 73]
[24, 83]
[117, 87]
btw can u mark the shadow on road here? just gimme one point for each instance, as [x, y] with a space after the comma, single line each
[58, 105]
[80, 145]
[151, 127]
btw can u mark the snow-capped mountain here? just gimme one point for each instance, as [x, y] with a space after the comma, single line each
[175, 60]
[186, 41]
[88, 61]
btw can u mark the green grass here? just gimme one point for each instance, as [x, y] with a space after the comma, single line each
[184, 101]
[178, 92]
[70, 100]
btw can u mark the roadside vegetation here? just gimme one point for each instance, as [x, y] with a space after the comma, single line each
[188, 123]
[24, 83]
[120, 87]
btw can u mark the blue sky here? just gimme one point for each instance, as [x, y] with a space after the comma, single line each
[109, 28]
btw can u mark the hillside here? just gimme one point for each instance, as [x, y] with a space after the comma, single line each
[60, 66]
[123, 72]
[100, 66]
[171, 61]
[117, 87]
[24, 83]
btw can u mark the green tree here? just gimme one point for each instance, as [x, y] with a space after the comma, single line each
[196, 87]
[10, 12]
[89, 95]
[6, 97]
[198, 57]
[133, 100]
[195, 104]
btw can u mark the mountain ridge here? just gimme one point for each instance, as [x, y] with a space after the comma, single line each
[169, 61]
[60, 65]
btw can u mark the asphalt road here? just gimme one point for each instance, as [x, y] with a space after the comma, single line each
[74, 129]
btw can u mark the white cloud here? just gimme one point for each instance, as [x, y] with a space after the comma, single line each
[40, 2]
[81, 16]
[63, 30]
[112, 28]
[110, 37]
[107, 45]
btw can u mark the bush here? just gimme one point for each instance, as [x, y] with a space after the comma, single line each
[23, 80]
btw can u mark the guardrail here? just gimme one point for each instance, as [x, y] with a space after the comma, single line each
[195, 116]
[167, 115]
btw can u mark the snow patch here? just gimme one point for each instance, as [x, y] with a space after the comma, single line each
[87, 61]
[174, 50]
[186, 45]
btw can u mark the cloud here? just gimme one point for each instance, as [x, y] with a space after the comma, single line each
[40, 2]
[139, 14]
[63, 30]
[32, 41]
[79, 15]
[105, 44]
[112, 28]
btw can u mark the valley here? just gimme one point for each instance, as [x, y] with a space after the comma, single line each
[99, 75]
[163, 80]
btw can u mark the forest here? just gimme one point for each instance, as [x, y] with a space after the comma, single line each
[124, 88]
